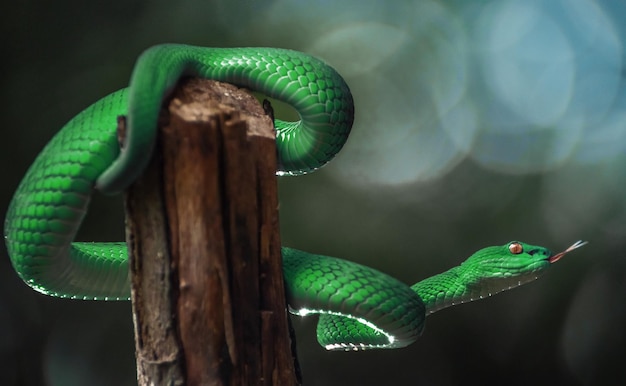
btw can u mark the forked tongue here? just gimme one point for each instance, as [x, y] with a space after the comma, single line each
[556, 257]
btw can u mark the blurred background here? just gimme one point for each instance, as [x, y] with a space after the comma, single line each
[477, 122]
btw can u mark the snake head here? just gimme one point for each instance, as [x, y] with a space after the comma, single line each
[487, 272]
[517, 256]
[510, 260]
[498, 268]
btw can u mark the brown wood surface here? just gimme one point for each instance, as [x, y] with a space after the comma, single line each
[202, 228]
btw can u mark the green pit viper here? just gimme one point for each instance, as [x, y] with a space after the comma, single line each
[359, 307]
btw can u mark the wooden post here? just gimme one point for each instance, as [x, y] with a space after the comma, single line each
[202, 229]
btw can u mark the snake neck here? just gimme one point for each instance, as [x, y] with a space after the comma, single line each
[462, 284]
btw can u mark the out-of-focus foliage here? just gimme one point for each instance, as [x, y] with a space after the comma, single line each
[477, 122]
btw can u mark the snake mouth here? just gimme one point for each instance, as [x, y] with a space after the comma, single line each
[557, 256]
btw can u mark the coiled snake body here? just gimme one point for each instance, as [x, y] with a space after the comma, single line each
[360, 307]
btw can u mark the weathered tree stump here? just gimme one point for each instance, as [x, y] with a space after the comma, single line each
[202, 229]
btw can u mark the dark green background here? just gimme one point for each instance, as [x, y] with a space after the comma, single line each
[411, 205]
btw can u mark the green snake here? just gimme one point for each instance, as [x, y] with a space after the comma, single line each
[359, 307]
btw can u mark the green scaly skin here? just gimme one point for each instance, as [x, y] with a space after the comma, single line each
[485, 273]
[360, 307]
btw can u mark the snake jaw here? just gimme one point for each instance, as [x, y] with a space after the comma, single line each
[557, 256]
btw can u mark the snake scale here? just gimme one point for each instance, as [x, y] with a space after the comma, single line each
[359, 307]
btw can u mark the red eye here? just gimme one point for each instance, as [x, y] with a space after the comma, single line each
[516, 248]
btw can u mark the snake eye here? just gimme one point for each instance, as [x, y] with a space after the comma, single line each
[516, 248]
